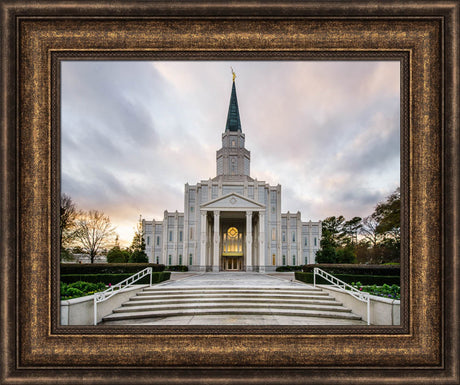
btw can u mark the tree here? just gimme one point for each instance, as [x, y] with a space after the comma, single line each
[346, 254]
[93, 232]
[138, 247]
[368, 230]
[350, 230]
[331, 239]
[332, 234]
[379, 240]
[116, 255]
[388, 216]
[326, 254]
[68, 216]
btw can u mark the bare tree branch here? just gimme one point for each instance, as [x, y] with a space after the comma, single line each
[68, 216]
[93, 232]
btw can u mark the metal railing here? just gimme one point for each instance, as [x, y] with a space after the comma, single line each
[119, 288]
[344, 287]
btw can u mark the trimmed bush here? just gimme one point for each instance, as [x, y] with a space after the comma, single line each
[350, 278]
[334, 269]
[114, 278]
[116, 255]
[80, 289]
[177, 268]
[138, 256]
[288, 268]
[108, 268]
[387, 291]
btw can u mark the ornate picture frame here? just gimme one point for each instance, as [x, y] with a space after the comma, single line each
[36, 37]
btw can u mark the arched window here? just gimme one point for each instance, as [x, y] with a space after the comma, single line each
[233, 242]
[233, 166]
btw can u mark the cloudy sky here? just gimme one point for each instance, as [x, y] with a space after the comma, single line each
[133, 133]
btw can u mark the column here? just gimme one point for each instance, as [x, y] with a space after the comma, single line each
[300, 260]
[216, 255]
[261, 242]
[164, 249]
[176, 239]
[203, 241]
[248, 255]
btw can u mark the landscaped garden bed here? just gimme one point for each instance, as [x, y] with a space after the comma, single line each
[80, 289]
[350, 278]
[386, 291]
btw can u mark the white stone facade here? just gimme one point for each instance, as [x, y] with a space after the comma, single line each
[232, 222]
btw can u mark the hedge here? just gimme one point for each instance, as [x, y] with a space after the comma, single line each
[157, 277]
[335, 269]
[177, 268]
[378, 280]
[108, 268]
[288, 268]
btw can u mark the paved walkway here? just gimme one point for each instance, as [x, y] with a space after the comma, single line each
[231, 279]
[240, 280]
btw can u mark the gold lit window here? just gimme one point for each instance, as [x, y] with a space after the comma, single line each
[233, 242]
[232, 232]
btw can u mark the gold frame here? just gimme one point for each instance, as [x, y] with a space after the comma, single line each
[35, 37]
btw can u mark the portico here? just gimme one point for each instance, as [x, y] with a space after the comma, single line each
[231, 227]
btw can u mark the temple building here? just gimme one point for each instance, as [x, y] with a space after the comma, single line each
[232, 221]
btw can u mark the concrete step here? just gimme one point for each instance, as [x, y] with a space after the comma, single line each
[163, 302]
[234, 292]
[230, 311]
[240, 305]
[266, 296]
[155, 289]
[141, 301]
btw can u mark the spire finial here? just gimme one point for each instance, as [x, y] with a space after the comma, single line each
[234, 74]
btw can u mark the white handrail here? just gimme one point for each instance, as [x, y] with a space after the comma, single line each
[341, 285]
[118, 288]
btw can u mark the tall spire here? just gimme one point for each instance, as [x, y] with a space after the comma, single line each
[233, 116]
[233, 159]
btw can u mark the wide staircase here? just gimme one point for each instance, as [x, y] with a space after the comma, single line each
[154, 302]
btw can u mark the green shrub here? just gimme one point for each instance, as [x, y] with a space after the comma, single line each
[177, 268]
[116, 255]
[138, 256]
[334, 269]
[113, 278]
[350, 278]
[80, 289]
[288, 268]
[108, 268]
[66, 255]
[72, 292]
[386, 291]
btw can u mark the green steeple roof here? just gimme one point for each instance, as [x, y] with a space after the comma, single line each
[233, 117]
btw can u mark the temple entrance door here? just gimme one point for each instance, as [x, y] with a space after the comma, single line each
[233, 263]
